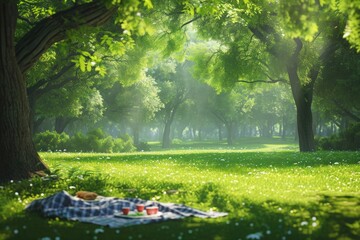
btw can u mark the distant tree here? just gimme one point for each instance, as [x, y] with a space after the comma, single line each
[230, 108]
[273, 106]
[194, 115]
[171, 77]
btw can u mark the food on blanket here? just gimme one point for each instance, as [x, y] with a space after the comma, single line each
[125, 210]
[151, 210]
[86, 195]
[140, 207]
[136, 214]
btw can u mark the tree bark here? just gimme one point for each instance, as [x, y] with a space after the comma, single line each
[19, 158]
[32, 106]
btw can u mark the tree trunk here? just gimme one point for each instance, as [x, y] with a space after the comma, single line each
[303, 100]
[304, 124]
[19, 158]
[166, 141]
[169, 118]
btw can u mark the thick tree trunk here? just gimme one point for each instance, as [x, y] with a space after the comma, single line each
[304, 123]
[19, 158]
[303, 100]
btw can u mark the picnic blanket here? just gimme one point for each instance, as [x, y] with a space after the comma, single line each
[106, 210]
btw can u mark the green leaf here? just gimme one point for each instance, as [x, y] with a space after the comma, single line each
[88, 66]
[148, 4]
[101, 70]
[86, 54]
[82, 63]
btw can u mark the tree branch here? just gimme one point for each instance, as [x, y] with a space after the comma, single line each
[263, 81]
[26, 20]
[53, 29]
[192, 20]
[45, 81]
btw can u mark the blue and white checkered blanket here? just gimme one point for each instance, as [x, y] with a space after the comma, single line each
[103, 210]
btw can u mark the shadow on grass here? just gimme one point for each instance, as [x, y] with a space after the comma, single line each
[266, 220]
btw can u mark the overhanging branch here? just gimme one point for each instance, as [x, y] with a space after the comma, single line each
[263, 81]
[53, 29]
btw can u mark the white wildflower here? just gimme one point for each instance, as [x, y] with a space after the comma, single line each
[99, 230]
[304, 223]
[257, 235]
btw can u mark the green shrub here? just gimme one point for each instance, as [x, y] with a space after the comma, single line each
[118, 145]
[78, 142]
[107, 144]
[97, 133]
[348, 139]
[127, 137]
[129, 146]
[95, 141]
[51, 141]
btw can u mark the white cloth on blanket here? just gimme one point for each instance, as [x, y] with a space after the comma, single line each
[102, 211]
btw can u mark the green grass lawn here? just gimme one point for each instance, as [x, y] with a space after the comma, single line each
[268, 188]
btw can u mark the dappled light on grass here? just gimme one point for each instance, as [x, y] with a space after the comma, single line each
[269, 195]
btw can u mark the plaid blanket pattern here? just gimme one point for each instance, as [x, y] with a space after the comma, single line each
[102, 211]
